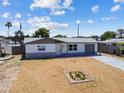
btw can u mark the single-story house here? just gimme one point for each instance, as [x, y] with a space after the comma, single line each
[9, 47]
[56, 47]
[4, 48]
[113, 41]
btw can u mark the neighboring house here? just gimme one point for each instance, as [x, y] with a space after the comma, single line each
[9, 47]
[4, 48]
[56, 47]
[109, 46]
[113, 41]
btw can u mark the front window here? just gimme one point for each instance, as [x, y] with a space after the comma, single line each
[41, 48]
[73, 47]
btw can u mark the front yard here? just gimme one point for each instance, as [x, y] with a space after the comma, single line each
[47, 76]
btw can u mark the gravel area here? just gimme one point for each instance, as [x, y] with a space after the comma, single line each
[8, 72]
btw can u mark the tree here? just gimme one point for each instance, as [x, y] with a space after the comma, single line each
[2, 36]
[41, 32]
[120, 33]
[27, 35]
[95, 37]
[108, 35]
[19, 36]
[8, 25]
[60, 36]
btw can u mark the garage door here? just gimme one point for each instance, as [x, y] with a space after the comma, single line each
[89, 49]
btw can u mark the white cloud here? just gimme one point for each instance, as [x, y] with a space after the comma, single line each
[119, 1]
[15, 23]
[57, 13]
[5, 15]
[45, 21]
[67, 3]
[18, 15]
[95, 9]
[45, 4]
[57, 7]
[5, 2]
[78, 21]
[38, 20]
[51, 4]
[29, 14]
[108, 18]
[115, 8]
[90, 21]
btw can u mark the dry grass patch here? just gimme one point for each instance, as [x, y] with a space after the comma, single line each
[47, 76]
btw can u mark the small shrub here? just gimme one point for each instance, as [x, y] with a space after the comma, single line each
[77, 76]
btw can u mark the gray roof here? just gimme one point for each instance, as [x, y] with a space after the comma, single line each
[5, 40]
[77, 40]
[69, 40]
[26, 40]
[120, 40]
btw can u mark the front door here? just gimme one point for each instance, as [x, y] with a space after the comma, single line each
[58, 49]
[64, 48]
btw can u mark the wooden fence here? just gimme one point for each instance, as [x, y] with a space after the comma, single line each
[110, 49]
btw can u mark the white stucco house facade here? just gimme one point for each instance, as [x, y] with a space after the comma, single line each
[4, 46]
[8, 46]
[57, 47]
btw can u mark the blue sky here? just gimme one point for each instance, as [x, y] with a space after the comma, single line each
[61, 16]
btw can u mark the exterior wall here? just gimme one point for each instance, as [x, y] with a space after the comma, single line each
[40, 55]
[32, 48]
[31, 51]
[3, 44]
[8, 49]
[53, 50]
[96, 47]
[6, 46]
[80, 48]
[58, 48]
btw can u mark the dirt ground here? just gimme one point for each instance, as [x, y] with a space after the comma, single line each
[47, 76]
[8, 73]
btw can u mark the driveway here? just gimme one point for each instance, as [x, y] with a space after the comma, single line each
[111, 61]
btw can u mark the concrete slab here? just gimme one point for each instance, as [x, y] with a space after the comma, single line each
[111, 61]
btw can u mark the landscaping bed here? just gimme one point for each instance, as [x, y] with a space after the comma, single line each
[75, 77]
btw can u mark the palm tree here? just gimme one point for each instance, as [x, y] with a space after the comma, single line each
[19, 36]
[8, 24]
[120, 32]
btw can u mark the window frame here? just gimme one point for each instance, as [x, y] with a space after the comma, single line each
[72, 47]
[41, 48]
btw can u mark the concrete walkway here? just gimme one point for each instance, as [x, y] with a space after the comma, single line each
[111, 61]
